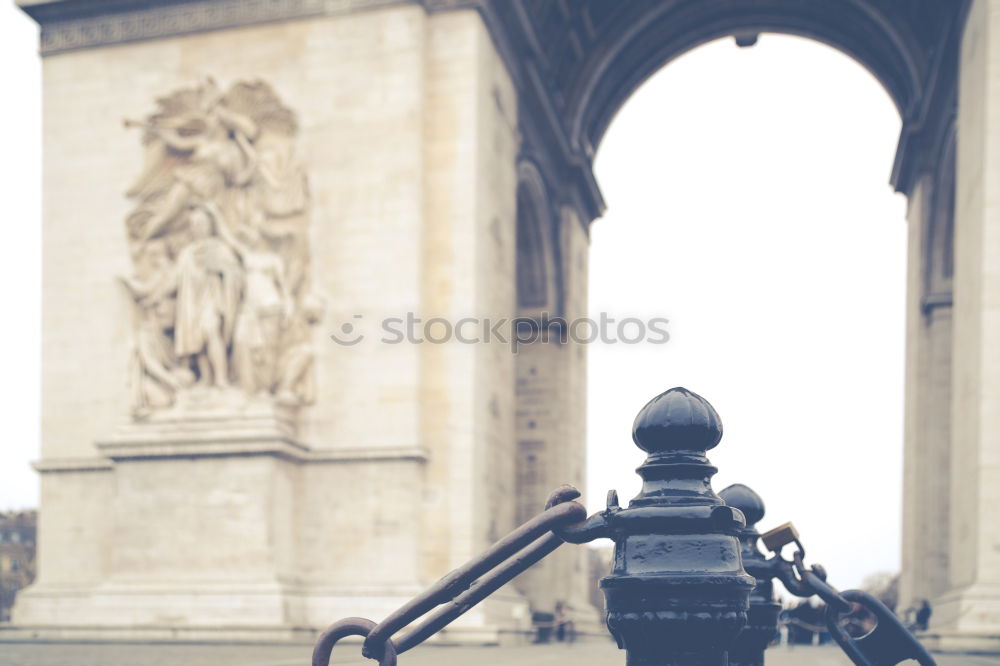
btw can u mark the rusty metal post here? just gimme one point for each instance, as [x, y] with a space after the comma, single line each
[762, 620]
[677, 594]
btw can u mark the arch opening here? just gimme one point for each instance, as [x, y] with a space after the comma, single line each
[742, 200]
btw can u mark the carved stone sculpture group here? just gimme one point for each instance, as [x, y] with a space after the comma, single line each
[219, 246]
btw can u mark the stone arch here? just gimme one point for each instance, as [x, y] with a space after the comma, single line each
[641, 41]
[912, 51]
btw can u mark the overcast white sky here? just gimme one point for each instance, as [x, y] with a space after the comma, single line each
[748, 202]
[20, 256]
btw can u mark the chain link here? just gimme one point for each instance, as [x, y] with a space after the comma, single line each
[463, 588]
[889, 643]
[351, 626]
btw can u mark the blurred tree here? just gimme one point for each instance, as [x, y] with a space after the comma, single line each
[884, 586]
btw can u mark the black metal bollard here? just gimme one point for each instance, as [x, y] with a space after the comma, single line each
[762, 620]
[678, 594]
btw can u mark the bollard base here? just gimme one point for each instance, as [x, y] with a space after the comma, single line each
[656, 658]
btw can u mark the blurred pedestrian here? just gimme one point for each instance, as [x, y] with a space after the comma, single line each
[923, 616]
[565, 631]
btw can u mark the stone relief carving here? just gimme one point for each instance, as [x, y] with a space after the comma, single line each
[218, 241]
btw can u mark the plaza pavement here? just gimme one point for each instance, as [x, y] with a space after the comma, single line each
[590, 653]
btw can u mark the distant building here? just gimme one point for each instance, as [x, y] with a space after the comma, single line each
[17, 556]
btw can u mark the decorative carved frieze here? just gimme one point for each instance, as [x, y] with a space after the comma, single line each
[68, 31]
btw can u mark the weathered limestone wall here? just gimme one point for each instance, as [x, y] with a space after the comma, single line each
[357, 535]
[76, 532]
[570, 465]
[911, 585]
[469, 258]
[927, 454]
[404, 467]
[971, 606]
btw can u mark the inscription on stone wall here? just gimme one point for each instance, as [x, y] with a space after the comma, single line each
[219, 248]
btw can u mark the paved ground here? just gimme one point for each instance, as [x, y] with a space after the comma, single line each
[580, 654]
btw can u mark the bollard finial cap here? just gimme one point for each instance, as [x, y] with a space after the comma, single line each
[677, 420]
[746, 500]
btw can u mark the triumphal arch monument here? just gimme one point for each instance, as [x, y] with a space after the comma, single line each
[228, 183]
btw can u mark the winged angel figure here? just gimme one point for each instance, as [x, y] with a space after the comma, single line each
[219, 247]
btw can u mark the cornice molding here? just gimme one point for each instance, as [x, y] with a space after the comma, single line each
[288, 450]
[937, 303]
[78, 464]
[70, 25]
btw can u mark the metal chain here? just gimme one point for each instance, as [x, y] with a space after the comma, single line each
[463, 588]
[889, 643]
[351, 626]
[564, 520]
